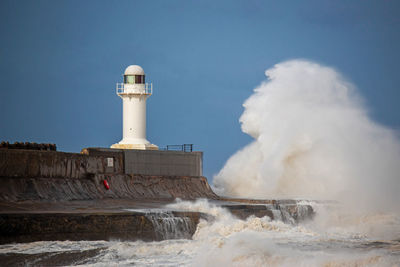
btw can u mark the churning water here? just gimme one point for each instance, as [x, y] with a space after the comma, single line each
[166, 225]
[228, 241]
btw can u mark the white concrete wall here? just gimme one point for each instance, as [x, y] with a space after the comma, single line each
[134, 119]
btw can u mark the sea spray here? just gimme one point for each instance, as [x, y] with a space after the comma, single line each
[313, 138]
[229, 241]
[167, 225]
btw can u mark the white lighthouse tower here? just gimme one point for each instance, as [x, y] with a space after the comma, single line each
[134, 93]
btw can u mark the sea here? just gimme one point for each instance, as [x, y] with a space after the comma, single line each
[333, 237]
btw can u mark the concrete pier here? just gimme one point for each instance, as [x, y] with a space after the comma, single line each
[49, 195]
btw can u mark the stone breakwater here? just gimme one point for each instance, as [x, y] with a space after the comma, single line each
[126, 220]
[49, 195]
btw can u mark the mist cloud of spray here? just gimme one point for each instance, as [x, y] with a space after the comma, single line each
[313, 138]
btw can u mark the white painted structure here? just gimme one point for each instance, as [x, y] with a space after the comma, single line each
[134, 93]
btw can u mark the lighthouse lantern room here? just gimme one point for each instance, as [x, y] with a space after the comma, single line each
[134, 92]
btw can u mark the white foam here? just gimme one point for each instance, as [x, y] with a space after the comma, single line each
[313, 139]
[228, 241]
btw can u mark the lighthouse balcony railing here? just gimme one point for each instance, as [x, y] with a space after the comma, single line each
[122, 89]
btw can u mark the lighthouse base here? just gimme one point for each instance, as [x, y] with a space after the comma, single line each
[135, 146]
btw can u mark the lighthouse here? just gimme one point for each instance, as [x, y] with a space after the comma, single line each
[134, 92]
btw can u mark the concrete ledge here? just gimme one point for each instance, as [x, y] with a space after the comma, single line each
[135, 146]
[31, 227]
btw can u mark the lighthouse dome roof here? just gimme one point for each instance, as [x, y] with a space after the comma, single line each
[134, 70]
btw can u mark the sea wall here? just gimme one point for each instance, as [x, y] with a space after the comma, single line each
[51, 164]
[153, 162]
[50, 175]
[49, 195]
[121, 186]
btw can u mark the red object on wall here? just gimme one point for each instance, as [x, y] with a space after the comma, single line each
[106, 184]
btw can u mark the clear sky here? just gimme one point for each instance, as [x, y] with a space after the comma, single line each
[60, 60]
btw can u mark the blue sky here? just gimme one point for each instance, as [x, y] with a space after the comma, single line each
[60, 60]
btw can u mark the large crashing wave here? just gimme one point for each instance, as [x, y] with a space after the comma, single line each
[313, 138]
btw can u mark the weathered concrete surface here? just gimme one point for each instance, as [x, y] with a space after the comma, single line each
[48, 195]
[105, 205]
[121, 186]
[28, 227]
[37, 175]
[158, 162]
[52, 164]
[154, 162]
[123, 219]
[57, 196]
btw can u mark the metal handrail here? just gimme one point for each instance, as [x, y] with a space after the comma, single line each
[148, 89]
[184, 148]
